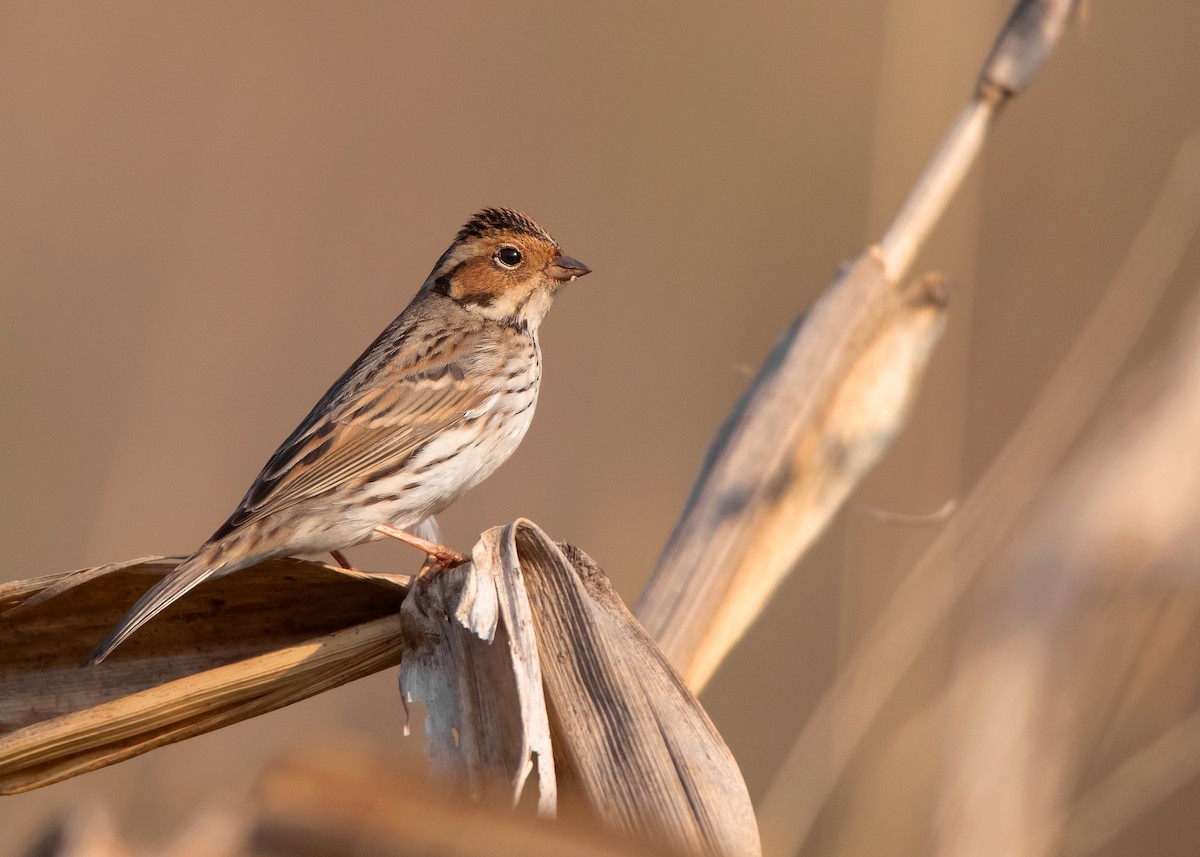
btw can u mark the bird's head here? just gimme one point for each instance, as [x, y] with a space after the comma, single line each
[504, 266]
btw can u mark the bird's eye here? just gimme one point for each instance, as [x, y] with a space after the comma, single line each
[508, 256]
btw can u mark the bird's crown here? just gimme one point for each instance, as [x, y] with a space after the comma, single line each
[492, 220]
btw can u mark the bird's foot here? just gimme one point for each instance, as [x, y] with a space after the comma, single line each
[442, 556]
[340, 559]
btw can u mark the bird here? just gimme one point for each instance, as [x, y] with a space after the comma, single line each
[435, 404]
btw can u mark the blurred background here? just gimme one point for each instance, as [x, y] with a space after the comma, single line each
[208, 210]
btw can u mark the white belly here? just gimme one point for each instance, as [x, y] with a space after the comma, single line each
[458, 460]
[449, 465]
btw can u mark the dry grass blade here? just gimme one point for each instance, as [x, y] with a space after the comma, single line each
[1124, 508]
[1149, 778]
[244, 645]
[1123, 512]
[824, 407]
[826, 403]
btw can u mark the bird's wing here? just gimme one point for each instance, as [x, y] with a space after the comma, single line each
[350, 439]
[367, 427]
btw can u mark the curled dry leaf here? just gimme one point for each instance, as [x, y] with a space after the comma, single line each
[629, 739]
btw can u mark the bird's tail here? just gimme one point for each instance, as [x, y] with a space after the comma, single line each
[212, 560]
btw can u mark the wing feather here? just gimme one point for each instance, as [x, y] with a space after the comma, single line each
[379, 414]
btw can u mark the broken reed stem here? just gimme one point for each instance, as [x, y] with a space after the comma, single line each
[826, 403]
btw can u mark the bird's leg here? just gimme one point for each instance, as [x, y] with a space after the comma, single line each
[444, 557]
[340, 559]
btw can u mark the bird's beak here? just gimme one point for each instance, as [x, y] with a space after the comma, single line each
[564, 269]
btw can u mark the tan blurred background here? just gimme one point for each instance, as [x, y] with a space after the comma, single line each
[208, 210]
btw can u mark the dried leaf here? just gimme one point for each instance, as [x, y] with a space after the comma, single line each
[823, 409]
[629, 738]
[241, 646]
[471, 658]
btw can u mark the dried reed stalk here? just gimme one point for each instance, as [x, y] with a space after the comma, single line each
[1124, 508]
[828, 400]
